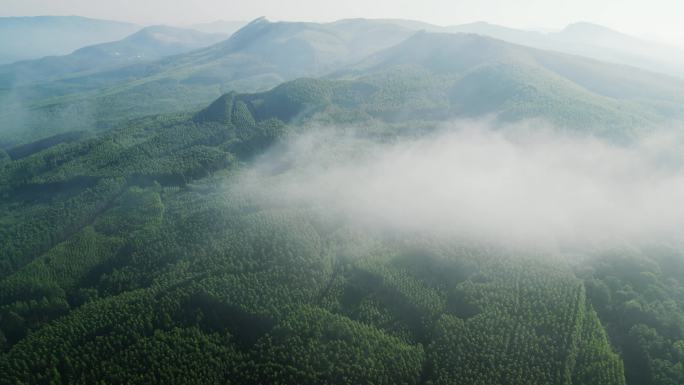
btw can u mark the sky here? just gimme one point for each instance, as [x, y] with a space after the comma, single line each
[655, 19]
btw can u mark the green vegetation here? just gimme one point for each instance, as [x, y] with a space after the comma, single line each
[640, 298]
[171, 265]
[128, 255]
[433, 76]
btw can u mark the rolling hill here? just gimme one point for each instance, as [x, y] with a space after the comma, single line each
[582, 39]
[438, 77]
[25, 38]
[258, 57]
[464, 74]
[589, 40]
[127, 257]
[148, 44]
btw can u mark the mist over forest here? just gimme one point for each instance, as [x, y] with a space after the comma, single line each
[365, 201]
[469, 179]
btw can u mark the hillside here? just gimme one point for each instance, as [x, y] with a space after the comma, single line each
[155, 257]
[449, 53]
[258, 57]
[472, 76]
[454, 75]
[26, 38]
[261, 56]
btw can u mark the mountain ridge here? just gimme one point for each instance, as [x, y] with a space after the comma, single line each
[64, 34]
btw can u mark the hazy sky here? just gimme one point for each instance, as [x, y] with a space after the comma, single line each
[655, 19]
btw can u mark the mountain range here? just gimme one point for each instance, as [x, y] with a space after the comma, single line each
[25, 38]
[264, 54]
[145, 45]
[593, 41]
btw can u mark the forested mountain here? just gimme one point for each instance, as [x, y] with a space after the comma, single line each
[148, 44]
[153, 258]
[263, 54]
[582, 39]
[150, 231]
[490, 76]
[259, 56]
[25, 38]
[437, 70]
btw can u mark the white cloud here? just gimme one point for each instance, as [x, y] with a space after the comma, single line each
[519, 185]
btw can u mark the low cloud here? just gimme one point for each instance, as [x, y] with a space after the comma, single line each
[523, 184]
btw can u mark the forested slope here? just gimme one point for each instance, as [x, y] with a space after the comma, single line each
[471, 75]
[126, 259]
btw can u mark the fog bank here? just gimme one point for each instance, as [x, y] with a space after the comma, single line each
[522, 184]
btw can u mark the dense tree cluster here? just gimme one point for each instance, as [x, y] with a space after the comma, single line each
[125, 259]
[639, 295]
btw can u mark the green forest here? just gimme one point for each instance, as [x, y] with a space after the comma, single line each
[128, 255]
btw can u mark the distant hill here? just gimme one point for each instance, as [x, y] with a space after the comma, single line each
[148, 44]
[260, 56]
[24, 38]
[438, 77]
[417, 75]
[592, 41]
[225, 27]
[458, 53]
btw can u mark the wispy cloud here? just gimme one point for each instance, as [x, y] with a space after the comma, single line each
[522, 184]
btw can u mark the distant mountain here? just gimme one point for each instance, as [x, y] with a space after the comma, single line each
[518, 36]
[592, 41]
[225, 27]
[434, 76]
[24, 38]
[289, 50]
[423, 76]
[584, 39]
[260, 56]
[459, 53]
[412, 24]
[148, 44]
[594, 34]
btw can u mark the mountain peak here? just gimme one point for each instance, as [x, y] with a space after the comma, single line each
[584, 27]
[151, 30]
[258, 20]
[599, 35]
[167, 34]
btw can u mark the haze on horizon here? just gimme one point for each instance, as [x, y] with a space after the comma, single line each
[656, 20]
